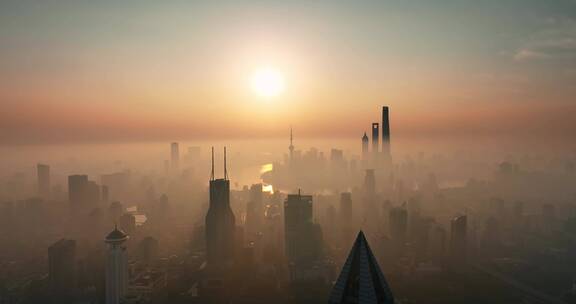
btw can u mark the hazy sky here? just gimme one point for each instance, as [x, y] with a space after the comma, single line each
[162, 70]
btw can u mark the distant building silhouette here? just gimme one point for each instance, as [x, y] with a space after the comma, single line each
[346, 218]
[458, 238]
[116, 266]
[398, 227]
[375, 142]
[254, 211]
[117, 184]
[115, 211]
[148, 250]
[370, 183]
[385, 131]
[43, 172]
[345, 206]
[220, 220]
[303, 238]
[128, 223]
[365, 148]
[291, 147]
[77, 185]
[361, 280]
[105, 194]
[300, 231]
[62, 267]
[82, 192]
[92, 194]
[174, 155]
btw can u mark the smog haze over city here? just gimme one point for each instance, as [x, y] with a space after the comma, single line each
[291, 152]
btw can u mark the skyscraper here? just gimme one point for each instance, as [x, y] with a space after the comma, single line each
[77, 189]
[92, 193]
[365, 149]
[254, 212]
[62, 267]
[116, 266]
[174, 155]
[385, 131]
[375, 144]
[220, 220]
[361, 280]
[43, 172]
[300, 232]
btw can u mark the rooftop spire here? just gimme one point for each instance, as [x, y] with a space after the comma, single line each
[361, 280]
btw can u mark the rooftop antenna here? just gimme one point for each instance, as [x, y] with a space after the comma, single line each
[225, 171]
[212, 172]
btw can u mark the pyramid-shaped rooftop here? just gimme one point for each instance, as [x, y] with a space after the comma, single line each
[361, 280]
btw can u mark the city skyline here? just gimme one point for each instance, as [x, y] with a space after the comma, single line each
[145, 71]
[368, 152]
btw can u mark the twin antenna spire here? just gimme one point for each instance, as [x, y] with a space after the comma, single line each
[225, 170]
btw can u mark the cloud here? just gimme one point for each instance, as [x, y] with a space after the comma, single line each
[557, 41]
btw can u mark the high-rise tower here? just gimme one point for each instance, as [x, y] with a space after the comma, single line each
[365, 143]
[254, 211]
[375, 134]
[116, 266]
[220, 220]
[301, 234]
[385, 131]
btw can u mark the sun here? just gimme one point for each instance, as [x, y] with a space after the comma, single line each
[268, 82]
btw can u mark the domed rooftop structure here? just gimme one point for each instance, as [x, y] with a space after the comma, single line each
[116, 235]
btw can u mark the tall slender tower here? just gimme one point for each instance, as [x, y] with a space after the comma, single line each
[365, 144]
[116, 266]
[375, 134]
[220, 220]
[385, 132]
[291, 147]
